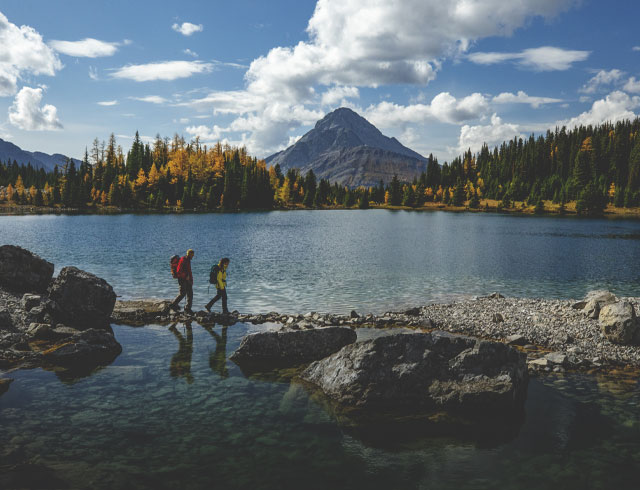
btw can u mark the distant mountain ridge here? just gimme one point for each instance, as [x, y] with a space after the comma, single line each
[344, 147]
[10, 152]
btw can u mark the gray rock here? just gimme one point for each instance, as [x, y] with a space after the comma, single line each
[516, 339]
[595, 300]
[618, 322]
[268, 350]
[556, 358]
[497, 318]
[30, 301]
[413, 373]
[354, 314]
[39, 331]
[495, 296]
[22, 271]
[6, 322]
[83, 300]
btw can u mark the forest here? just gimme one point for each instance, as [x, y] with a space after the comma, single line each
[593, 166]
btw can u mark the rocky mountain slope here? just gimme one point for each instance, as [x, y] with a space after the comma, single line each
[10, 152]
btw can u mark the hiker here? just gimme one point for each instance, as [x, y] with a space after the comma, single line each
[185, 280]
[221, 285]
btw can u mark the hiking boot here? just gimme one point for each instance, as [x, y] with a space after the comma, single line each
[188, 311]
[207, 307]
[173, 307]
[225, 312]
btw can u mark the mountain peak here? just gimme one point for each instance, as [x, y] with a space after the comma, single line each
[344, 132]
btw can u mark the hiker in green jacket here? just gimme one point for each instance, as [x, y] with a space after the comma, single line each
[221, 286]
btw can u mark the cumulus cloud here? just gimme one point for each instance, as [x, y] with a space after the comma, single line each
[365, 44]
[23, 53]
[26, 113]
[474, 137]
[601, 79]
[187, 28]
[444, 107]
[86, 48]
[164, 70]
[108, 102]
[522, 98]
[338, 94]
[617, 106]
[205, 133]
[632, 85]
[153, 99]
[545, 58]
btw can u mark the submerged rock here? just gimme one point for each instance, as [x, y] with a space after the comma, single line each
[4, 385]
[618, 322]
[414, 373]
[82, 299]
[264, 351]
[22, 271]
[90, 347]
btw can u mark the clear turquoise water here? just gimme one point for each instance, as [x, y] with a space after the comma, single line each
[172, 412]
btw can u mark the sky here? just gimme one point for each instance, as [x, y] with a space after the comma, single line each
[441, 76]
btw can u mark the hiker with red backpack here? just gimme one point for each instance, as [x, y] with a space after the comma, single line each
[185, 280]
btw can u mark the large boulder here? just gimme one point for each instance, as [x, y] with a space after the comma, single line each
[618, 322]
[423, 372]
[595, 300]
[268, 350]
[22, 271]
[81, 299]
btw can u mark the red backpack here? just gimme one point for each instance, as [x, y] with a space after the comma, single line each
[174, 266]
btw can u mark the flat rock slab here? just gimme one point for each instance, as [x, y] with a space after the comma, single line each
[269, 350]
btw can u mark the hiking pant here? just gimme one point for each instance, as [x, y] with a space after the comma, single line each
[222, 293]
[186, 289]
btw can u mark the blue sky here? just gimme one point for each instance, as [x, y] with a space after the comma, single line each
[439, 76]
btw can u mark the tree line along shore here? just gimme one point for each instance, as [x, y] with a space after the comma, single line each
[587, 170]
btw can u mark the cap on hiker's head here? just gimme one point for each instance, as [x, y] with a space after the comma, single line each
[190, 251]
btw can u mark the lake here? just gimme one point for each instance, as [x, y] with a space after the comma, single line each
[172, 412]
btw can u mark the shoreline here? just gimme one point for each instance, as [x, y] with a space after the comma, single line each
[519, 208]
[555, 334]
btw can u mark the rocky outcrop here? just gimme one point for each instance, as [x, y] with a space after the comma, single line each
[4, 385]
[264, 351]
[82, 300]
[595, 300]
[22, 271]
[618, 322]
[423, 372]
[64, 322]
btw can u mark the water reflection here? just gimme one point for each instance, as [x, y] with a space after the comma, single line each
[218, 358]
[181, 360]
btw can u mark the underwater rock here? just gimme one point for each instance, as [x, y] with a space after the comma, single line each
[4, 385]
[90, 347]
[82, 300]
[414, 373]
[287, 348]
[22, 271]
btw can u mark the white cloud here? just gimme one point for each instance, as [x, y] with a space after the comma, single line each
[87, 48]
[26, 113]
[545, 58]
[495, 133]
[617, 106]
[164, 70]
[190, 53]
[338, 94]
[108, 102]
[23, 52]
[522, 98]
[636, 48]
[205, 133]
[601, 79]
[153, 99]
[365, 44]
[187, 28]
[632, 85]
[443, 108]
[584, 98]
[93, 73]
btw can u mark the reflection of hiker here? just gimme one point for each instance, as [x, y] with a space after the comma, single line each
[218, 358]
[218, 276]
[181, 360]
[185, 280]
